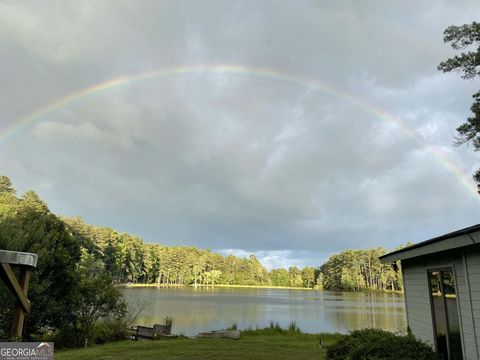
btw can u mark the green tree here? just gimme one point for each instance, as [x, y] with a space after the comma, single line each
[6, 185]
[53, 285]
[97, 298]
[280, 277]
[68, 290]
[295, 276]
[319, 284]
[33, 201]
[466, 38]
[308, 276]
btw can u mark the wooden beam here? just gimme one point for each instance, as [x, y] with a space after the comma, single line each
[17, 289]
[19, 315]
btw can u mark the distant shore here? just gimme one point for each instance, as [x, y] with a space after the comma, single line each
[138, 285]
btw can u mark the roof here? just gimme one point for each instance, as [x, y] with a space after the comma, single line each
[18, 258]
[460, 238]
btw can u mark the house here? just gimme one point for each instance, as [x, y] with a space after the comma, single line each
[442, 291]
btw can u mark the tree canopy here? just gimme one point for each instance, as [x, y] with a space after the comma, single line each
[129, 259]
[466, 39]
[6, 185]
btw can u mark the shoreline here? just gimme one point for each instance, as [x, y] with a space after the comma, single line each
[137, 285]
[256, 287]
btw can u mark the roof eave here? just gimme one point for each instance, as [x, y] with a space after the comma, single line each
[430, 247]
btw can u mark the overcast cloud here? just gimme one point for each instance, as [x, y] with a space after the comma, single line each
[240, 163]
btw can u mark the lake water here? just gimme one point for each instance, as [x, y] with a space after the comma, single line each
[196, 310]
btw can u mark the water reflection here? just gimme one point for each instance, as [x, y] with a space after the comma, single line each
[202, 309]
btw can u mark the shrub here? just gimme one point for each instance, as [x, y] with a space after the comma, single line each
[109, 330]
[374, 344]
[169, 322]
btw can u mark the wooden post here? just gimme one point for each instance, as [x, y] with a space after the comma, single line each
[18, 287]
[19, 315]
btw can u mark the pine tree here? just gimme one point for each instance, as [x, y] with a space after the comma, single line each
[6, 185]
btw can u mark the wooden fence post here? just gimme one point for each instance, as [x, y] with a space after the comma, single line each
[19, 315]
[19, 288]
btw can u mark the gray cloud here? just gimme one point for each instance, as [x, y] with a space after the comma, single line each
[237, 162]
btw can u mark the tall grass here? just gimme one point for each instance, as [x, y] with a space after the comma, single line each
[274, 328]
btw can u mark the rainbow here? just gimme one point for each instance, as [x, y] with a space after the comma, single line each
[241, 70]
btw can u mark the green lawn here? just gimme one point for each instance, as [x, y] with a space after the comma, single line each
[262, 344]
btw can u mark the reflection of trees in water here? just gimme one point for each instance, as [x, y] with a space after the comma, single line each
[370, 310]
[199, 310]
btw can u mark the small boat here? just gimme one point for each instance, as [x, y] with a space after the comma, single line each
[226, 334]
[144, 332]
[152, 333]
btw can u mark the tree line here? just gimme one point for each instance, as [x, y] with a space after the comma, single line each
[360, 270]
[130, 260]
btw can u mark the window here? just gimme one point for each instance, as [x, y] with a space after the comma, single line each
[445, 314]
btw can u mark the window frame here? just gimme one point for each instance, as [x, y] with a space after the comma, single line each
[441, 269]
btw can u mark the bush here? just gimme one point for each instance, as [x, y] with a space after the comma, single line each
[374, 344]
[109, 330]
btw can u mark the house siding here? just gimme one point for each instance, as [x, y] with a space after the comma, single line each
[473, 267]
[417, 297]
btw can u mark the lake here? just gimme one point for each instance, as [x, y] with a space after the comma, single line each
[314, 311]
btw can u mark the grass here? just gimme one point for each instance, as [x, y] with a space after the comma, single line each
[270, 343]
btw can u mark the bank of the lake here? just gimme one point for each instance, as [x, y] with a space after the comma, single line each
[269, 343]
[155, 285]
[252, 345]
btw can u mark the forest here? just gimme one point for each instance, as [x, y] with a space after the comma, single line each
[79, 265]
[130, 260]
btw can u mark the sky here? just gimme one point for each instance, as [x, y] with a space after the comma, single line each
[286, 129]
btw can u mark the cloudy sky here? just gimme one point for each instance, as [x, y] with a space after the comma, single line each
[288, 129]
